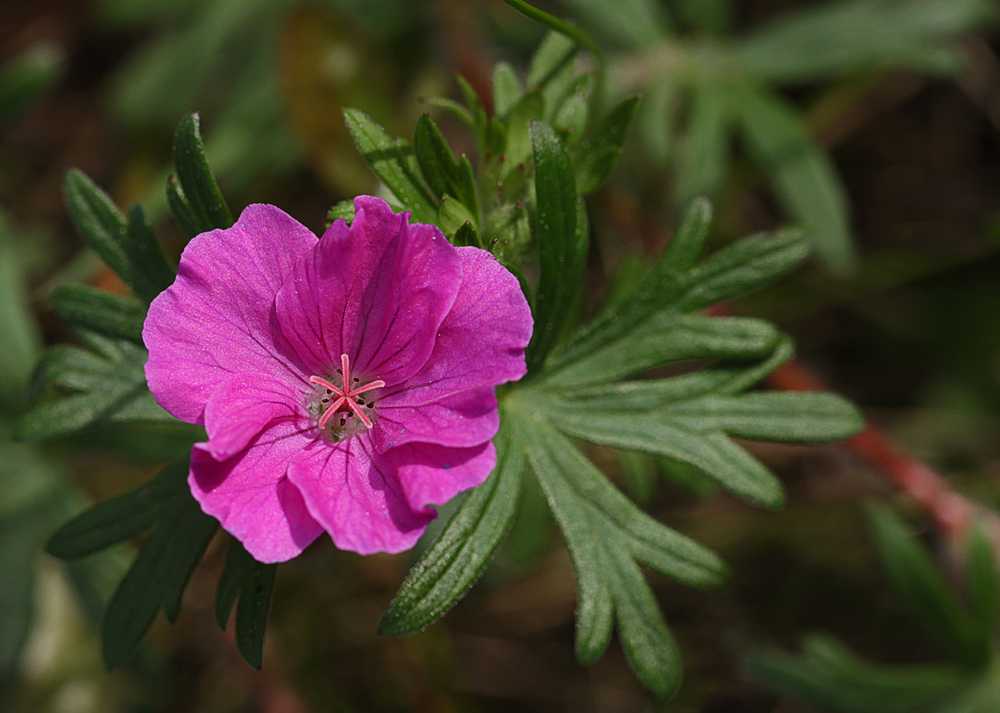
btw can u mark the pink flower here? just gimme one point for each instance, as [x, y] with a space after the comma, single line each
[346, 384]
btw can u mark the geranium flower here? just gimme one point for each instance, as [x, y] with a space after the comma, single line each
[346, 383]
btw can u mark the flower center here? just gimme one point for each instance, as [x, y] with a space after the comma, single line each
[346, 395]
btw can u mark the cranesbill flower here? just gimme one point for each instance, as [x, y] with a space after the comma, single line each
[346, 383]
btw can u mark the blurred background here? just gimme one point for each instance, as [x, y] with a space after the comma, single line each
[873, 123]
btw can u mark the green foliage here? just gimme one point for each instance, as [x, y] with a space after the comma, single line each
[707, 87]
[197, 202]
[829, 676]
[253, 582]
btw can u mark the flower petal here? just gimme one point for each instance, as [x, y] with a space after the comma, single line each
[464, 419]
[376, 291]
[251, 496]
[480, 342]
[432, 475]
[356, 496]
[217, 319]
[244, 405]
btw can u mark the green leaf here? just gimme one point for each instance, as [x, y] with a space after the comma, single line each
[663, 338]
[983, 577]
[563, 238]
[18, 324]
[129, 248]
[251, 613]
[829, 676]
[444, 174]
[632, 24]
[91, 388]
[507, 89]
[704, 156]
[344, 210]
[197, 184]
[391, 165]
[607, 536]
[27, 77]
[480, 121]
[599, 153]
[182, 210]
[802, 174]
[517, 152]
[571, 113]
[157, 577]
[102, 312]
[467, 235]
[449, 568]
[712, 452]
[121, 517]
[253, 582]
[833, 39]
[925, 591]
[553, 56]
[571, 32]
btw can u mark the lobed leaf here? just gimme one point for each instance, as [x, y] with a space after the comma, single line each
[449, 568]
[100, 311]
[391, 165]
[563, 239]
[607, 535]
[444, 174]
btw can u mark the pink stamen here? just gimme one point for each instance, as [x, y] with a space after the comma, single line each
[345, 394]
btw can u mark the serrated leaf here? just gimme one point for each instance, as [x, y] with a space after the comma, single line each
[449, 568]
[341, 211]
[803, 175]
[102, 312]
[157, 577]
[925, 591]
[390, 164]
[91, 388]
[563, 238]
[506, 89]
[128, 247]
[121, 517]
[599, 153]
[197, 184]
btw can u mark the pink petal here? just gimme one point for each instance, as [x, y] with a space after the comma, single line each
[432, 475]
[244, 405]
[217, 319]
[481, 341]
[376, 291]
[250, 495]
[464, 419]
[356, 496]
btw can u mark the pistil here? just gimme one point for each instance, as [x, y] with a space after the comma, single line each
[346, 395]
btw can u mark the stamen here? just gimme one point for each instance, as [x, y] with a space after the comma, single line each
[346, 395]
